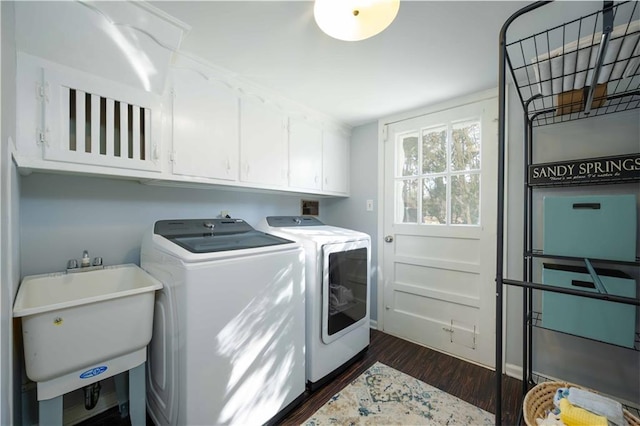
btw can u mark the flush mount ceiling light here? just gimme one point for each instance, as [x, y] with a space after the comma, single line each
[353, 20]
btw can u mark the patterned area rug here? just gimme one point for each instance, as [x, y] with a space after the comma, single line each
[384, 396]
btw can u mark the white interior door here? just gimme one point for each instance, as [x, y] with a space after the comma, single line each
[440, 189]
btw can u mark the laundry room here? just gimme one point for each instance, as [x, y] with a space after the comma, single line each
[312, 209]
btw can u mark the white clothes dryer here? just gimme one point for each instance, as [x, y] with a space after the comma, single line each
[337, 264]
[228, 336]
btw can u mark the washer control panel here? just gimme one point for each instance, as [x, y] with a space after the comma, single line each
[185, 227]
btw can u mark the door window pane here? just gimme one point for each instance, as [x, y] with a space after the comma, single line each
[434, 150]
[434, 201]
[407, 155]
[437, 180]
[465, 199]
[407, 201]
[465, 146]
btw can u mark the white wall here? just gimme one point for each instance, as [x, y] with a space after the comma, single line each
[63, 215]
[351, 212]
[9, 268]
[559, 355]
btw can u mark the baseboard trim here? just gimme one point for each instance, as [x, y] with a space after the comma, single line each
[373, 324]
[513, 370]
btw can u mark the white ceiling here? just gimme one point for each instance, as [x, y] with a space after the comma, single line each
[433, 51]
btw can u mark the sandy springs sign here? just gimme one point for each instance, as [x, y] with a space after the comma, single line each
[593, 170]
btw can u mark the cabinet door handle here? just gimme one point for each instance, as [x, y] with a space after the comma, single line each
[590, 206]
[584, 284]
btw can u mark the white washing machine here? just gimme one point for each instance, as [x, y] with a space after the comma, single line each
[338, 264]
[228, 336]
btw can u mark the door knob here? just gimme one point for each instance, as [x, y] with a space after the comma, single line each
[388, 239]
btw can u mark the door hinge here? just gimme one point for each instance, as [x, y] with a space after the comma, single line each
[461, 339]
[42, 91]
[172, 156]
[385, 132]
[41, 136]
[449, 330]
[474, 337]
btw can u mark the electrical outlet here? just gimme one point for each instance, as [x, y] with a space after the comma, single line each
[225, 213]
[369, 205]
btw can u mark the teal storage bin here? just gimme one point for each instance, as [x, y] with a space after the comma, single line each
[595, 227]
[592, 318]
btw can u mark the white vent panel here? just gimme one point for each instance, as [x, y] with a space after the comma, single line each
[100, 123]
[98, 126]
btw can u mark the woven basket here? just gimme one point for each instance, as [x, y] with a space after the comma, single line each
[539, 401]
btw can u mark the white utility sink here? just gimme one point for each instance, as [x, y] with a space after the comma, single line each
[81, 327]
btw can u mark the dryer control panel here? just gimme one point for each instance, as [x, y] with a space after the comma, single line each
[287, 221]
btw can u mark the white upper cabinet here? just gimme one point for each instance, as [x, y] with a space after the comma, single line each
[305, 155]
[205, 124]
[263, 143]
[90, 77]
[102, 88]
[69, 119]
[335, 162]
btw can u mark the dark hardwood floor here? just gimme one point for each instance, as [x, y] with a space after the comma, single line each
[467, 381]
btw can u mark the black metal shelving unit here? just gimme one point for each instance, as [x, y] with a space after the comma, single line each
[586, 67]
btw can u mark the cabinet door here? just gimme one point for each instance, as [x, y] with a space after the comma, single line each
[205, 127]
[305, 155]
[88, 121]
[335, 163]
[263, 143]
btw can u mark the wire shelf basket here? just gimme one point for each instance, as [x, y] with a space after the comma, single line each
[584, 68]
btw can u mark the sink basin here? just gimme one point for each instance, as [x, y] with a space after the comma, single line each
[74, 322]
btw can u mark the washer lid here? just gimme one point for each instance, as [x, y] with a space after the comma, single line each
[288, 221]
[213, 235]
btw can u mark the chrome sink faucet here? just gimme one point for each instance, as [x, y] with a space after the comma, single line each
[85, 263]
[86, 260]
